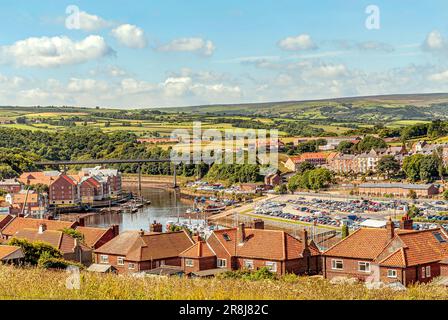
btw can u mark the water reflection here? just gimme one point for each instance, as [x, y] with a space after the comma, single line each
[165, 206]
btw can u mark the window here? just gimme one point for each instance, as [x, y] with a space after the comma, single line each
[272, 266]
[364, 266]
[249, 264]
[104, 258]
[120, 261]
[423, 272]
[131, 266]
[428, 271]
[439, 237]
[221, 263]
[391, 273]
[337, 264]
[189, 262]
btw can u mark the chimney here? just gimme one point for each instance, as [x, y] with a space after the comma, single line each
[406, 223]
[258, 224]
[241, 233]
[141, 233]
[304, 238]
[115, 230]
[155, 227]
[81, 222]
[390, 228]
[196, 238]
[42, 228]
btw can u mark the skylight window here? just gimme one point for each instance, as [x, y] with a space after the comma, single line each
[439, 237]
[226, 236]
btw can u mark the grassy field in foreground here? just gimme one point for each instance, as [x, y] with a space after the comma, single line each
[42, 284]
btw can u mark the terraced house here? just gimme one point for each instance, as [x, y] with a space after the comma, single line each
[253, 248]
[389, 255]
[137, 251]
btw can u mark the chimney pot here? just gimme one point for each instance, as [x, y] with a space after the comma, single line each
[241, 233]
[406, 223]
[42, 228]
[258, 224]
[390, 228]
[156, 227]
[141, 232]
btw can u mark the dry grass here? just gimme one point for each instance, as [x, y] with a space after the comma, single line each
[42, 284]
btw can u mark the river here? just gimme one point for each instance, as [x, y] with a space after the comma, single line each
[165, 206]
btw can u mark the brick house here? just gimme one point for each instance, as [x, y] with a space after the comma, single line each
[413, 256]
[397, 189]
[90, 189]
[97, 237]
[71, 248]
[10, 185]
[342, 163]
[63, 191]
[253, 248]
[136, 251]
[110, 178]
[30, 202]
[273, 180]
[316, 158]
[388, 255]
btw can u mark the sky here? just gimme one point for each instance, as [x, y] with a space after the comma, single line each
[141, 54]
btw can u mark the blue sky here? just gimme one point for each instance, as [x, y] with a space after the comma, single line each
[175, 52]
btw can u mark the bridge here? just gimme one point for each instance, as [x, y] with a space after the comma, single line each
[139, 163]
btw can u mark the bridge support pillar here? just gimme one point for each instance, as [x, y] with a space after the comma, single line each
[139, 169]
[174, 176]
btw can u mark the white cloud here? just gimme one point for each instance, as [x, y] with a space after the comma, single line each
[130, 36]
[439, 77]
[90, 22]
[300, 42]
[54, 52]
[434, 41]
[375, 46]
[327, 71]
[86, 85]
[206, 47]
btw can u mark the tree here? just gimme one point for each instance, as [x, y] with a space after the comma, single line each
[369, 143]
[429, 168]
[388, 166]
[305, 166]
[413, 211]
[73, 233]
[344, 231]
[281, 189]
[345, 147]
[445, 194]
[34, 250]
[412, 165]
[412, 194]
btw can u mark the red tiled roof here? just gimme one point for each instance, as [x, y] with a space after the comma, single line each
[200, 249]
[150, 246]
[364, 243]
[308, 156]
[262, 244]
[57, 239]
[19, 223]
[418, 247]
[92, 235]
[6, 251]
